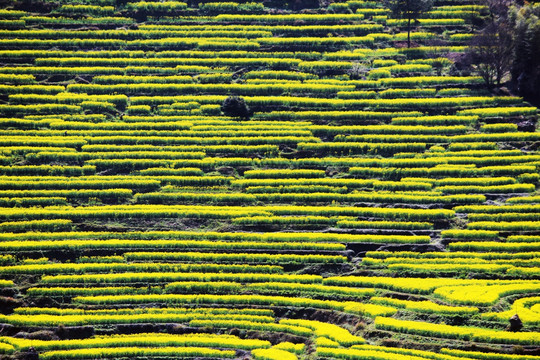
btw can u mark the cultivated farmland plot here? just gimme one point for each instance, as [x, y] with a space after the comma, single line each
[263, 180]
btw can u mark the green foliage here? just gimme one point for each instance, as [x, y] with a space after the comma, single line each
[409, 10]
[525, 21]
[235, 106]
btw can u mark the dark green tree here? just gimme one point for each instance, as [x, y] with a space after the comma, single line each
[410, 10]
[235, 106]
[525, 70]
[491, 52]
[509, 43]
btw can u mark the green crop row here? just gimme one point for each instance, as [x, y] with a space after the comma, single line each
[115, 353]
[234, 257]
[484, 355]
[36, 225]
[83, 319]
[456, 332]
[12, 246]
[47, 170]
[135, 269]
[442, 171]
[241, 89]
[279, 239]
[372, 197]
[490, 246]
[32, 201]
[347, 306]
[149, 340]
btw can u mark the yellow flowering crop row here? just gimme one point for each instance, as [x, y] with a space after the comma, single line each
[457, 332]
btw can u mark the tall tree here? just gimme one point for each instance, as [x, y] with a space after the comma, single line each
[525, 21]
[491, 52]
[410, 10]
[509, 43]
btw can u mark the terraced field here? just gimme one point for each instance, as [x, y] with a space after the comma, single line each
[377, 202]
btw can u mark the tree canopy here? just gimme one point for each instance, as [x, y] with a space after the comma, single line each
[509, 44]
[409, 10]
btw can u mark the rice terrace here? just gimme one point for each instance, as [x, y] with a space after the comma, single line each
[269, 180]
